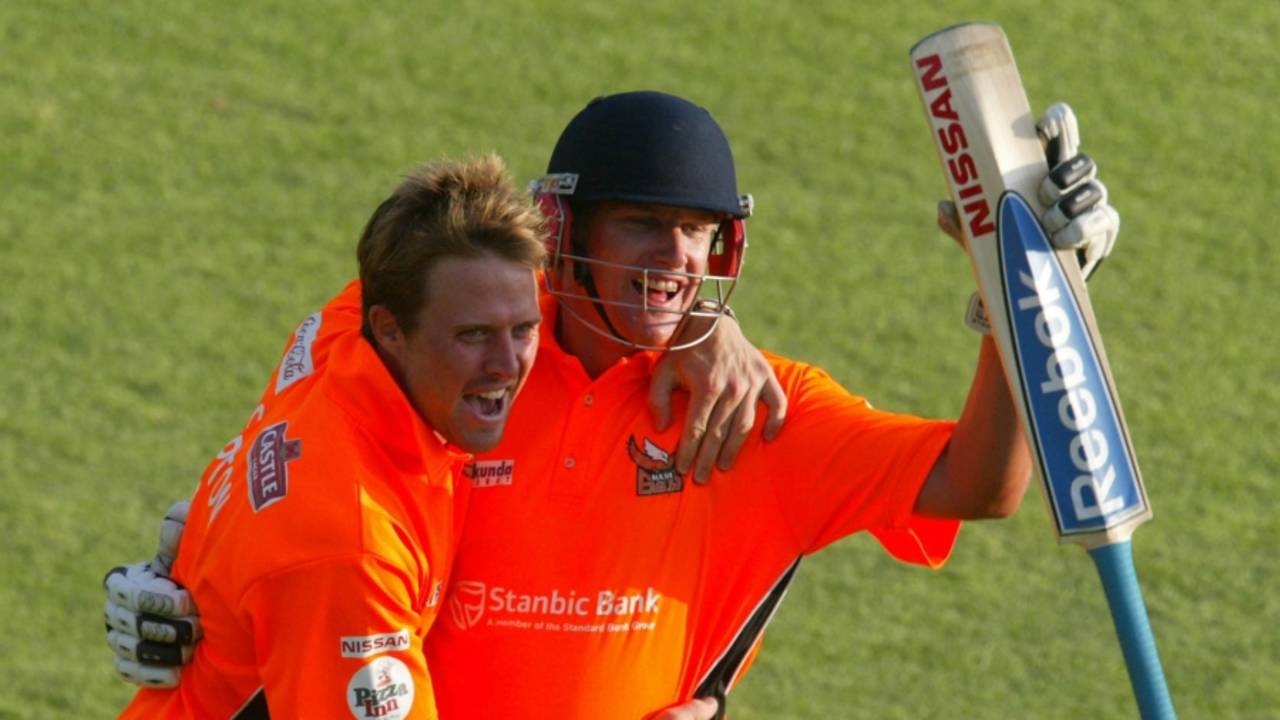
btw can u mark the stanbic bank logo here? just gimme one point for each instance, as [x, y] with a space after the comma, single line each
[471, 601]
[466, 606]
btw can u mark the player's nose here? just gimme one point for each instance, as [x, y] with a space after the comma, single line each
[676, 248]
[503, 357]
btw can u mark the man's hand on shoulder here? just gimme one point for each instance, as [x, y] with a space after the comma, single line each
[152, 623]
[725, 376]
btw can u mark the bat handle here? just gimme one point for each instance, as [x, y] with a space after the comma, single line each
[1120, 581]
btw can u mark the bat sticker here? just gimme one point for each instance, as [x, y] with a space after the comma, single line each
[1084, 455]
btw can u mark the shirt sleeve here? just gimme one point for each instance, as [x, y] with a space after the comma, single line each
[341, 637]
[842, 467]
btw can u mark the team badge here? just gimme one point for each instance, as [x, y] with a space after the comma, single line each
[268, 465]
[656, 472]
[381, 689]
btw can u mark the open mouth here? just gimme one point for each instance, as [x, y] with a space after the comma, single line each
[488, 405]
[657, 291]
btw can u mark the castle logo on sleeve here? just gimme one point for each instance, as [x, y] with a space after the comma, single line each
[381, 689]
[297, 362]
[656, 472]
[268, 465]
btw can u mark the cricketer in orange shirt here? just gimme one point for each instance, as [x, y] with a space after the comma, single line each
[321, 538]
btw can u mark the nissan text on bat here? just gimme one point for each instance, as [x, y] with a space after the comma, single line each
[952, 139]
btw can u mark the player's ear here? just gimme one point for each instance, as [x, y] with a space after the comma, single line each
[387, 335]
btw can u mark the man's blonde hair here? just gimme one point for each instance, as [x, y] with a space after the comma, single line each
[447, 208]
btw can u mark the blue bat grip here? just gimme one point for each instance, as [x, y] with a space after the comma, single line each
[1115, 566]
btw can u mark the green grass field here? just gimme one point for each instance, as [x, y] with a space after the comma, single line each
[180, 184]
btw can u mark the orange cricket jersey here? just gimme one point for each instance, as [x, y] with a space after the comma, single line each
[318, 544]
[594, 581]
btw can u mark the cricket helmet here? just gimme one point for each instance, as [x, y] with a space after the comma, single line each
[652, 148]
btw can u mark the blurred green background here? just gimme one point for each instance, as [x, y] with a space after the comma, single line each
[180, 183]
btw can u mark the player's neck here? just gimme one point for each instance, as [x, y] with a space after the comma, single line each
[596, 353]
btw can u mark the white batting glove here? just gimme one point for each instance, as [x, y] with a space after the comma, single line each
[1078, 217]
[152, 623]
[153, 676]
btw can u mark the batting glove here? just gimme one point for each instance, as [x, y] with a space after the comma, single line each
[1078, 216]
[151, 621]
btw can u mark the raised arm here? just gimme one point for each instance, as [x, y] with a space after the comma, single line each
[984, 471]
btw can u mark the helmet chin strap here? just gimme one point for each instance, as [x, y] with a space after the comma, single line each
[582, 274]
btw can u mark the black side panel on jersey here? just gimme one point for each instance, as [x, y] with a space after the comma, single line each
[716, 683]
[255, 709]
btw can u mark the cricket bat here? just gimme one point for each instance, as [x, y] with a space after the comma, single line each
[1042, 322]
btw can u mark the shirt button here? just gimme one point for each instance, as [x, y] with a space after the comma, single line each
[569, 462]
[588, 399]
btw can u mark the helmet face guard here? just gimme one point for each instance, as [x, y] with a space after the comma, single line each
[713, 288]
[647, 148]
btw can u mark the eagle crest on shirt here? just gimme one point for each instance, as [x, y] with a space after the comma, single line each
[656, 472]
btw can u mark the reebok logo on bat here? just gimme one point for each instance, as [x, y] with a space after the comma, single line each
[951, 138]
[1084, 455]
[1077, 407]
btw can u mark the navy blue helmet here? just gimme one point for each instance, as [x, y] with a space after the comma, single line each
[649, 147]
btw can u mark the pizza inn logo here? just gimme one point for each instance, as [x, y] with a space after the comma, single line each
[268, 469]
[656, 472]
[381, 689]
